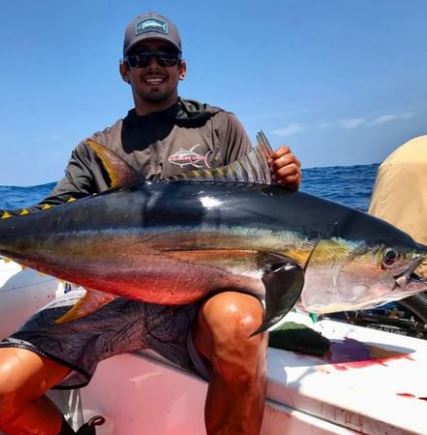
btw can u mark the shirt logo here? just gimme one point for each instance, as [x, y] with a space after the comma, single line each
[185, 157]
[151, 25]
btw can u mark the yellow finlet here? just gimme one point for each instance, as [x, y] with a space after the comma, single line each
[46, 207]
[6, 215]
[90, 302]
[24, 212]
[71, 199]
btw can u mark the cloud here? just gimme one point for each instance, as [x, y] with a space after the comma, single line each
[346, 123]
[383, 119]
[289, 130]
[351, 122]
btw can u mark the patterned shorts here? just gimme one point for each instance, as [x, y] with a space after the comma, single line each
[121, 326]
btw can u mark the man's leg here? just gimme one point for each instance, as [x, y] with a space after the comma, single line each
[236, 394]
[24, 378]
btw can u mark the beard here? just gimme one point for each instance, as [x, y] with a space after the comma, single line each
[158, 94]
[155, 96]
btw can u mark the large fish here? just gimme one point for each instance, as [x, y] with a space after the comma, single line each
[175, 242]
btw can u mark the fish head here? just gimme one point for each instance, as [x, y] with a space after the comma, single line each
[347, 275]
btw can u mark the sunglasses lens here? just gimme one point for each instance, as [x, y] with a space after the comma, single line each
[167, 59]
[143, 59]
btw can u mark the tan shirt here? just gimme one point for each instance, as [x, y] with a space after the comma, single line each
[400, 192]
[187, 136]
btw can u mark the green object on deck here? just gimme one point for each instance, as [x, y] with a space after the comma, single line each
[297, 337]
[314, 318]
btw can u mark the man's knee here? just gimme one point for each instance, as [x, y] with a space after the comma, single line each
[24, 377]
[225, 324]
[231, 311]
[9, 393]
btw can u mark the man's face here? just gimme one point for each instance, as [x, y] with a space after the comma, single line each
[153, 82]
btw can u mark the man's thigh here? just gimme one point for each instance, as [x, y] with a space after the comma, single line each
[118, 327]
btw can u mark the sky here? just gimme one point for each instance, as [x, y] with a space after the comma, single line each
[342, 82]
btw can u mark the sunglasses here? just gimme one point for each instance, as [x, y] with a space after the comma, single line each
[143, 58]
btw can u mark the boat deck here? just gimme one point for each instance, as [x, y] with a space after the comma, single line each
[371, 382]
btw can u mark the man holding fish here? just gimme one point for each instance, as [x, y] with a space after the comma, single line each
[161, 137]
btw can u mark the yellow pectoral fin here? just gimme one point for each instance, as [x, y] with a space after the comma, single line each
[93, 300]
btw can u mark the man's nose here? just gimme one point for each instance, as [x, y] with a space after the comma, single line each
[152, 62]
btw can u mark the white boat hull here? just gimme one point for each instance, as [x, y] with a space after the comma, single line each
[373, 382]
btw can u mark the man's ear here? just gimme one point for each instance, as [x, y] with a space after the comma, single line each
[182, 69]
[124, 71]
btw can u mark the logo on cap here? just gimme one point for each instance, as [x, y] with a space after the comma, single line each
[151, 25]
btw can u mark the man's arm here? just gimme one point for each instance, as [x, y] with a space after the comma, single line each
[234, 141]
[84, 176]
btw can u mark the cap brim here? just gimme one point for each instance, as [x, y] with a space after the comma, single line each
[151, 35]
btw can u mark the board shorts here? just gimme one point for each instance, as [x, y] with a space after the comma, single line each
[121, 326]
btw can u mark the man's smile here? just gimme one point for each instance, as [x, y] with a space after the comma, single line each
[154, 80]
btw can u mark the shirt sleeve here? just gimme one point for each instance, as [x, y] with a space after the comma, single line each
[232, 136]
[84, 176]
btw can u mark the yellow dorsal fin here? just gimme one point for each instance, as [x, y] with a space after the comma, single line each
[90, 302]
[264, 144]
[119, 172]
[251, 168]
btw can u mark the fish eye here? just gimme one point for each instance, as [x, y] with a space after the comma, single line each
[390, 257]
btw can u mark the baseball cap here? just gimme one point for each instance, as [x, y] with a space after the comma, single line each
[150, 26]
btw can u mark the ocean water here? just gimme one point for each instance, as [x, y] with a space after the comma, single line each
[348, 185]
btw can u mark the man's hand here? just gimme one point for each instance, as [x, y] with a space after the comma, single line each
[285, 167]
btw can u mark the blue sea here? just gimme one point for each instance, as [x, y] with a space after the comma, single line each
[348, 185]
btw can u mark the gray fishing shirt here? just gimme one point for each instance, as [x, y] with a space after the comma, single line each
[187, 136]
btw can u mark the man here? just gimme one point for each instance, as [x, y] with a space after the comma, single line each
[162, 136]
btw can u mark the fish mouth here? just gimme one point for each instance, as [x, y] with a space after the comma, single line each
[415, 273]
[413, 277]
[419, 273]
[421, 269]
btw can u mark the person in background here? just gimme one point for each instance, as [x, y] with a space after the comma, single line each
[400, 192]
[400, 198]
[210, 338]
